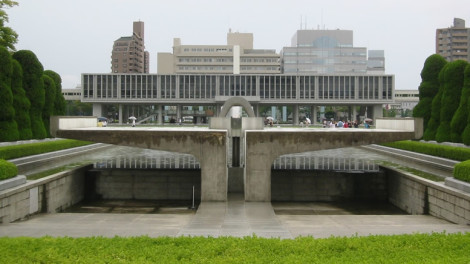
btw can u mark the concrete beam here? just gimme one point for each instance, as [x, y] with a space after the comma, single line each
[263, 147]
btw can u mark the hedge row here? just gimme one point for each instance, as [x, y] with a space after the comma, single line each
[416, 248]
[22, 150]
[462, 171]
[7, 170]
[448, 152]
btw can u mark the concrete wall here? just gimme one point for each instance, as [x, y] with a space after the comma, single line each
[147, 184]
[64, 122]
[50, 194]
[403, 124]
[327, 186]
[416, 195]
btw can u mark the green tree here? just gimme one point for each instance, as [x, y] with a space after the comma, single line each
[59, 102]
[453, 83]
[48, 110]
[34, 88]
[433, 124]
[459, 120]
[8, 37]
[429, 87]
[466, 92]
[8, 126]
[20, 102]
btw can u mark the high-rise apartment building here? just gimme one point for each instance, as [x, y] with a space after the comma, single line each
[237, 57]
[453, 43]
[129, 55]
[329, 51]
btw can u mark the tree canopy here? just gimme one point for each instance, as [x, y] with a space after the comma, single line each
[8, 37]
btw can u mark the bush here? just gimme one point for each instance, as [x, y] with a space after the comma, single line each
[462, 171]
[447, 152]
[7, 170]
[22, 150]
[20, 102]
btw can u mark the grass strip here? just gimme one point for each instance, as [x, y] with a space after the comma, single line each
[23, 150]
[416, 248]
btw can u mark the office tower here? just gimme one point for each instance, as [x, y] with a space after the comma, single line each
[129, 55]
[453, 42]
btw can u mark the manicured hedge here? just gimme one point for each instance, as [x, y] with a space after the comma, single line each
[22, 150]
[416, 248]
[7, 170]
[443, 151]
[462, 171]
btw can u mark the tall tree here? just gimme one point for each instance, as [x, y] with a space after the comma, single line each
[453, 83]
[33, 85]
[433, 124]
[59, 102]
[20, 102]
[429, 87]
[466, 88]
[8, 37]
[8, 126]
[459, 120]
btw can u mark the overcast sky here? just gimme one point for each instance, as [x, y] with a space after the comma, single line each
[74, 37]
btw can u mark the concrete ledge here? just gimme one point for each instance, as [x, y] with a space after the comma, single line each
[457, 184]
[12, 182]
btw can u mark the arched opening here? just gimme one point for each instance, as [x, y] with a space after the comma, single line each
[237, 101]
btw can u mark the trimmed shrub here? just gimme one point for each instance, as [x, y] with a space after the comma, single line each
[7, 170]
[459, 120]
[22, 150]
[8, 126]
[453, 84]
[59, 103]
[462, 171]
[443, 151]
[466, 89]
[47, 111]
[34, 88]
[429, 87]
[20, 102]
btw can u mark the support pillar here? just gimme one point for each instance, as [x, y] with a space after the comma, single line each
[295, 115]
[97, 110]
[120, 114]
[313, 112]
[354, 113]
[159, 115]
[178, 114]
[378, 111]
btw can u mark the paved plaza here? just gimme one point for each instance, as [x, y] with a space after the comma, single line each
[233, 218]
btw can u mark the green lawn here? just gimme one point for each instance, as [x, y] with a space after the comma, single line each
[418, 248]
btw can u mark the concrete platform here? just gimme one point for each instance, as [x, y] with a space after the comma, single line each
[233, 218]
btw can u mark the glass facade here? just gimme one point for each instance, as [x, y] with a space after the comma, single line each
[204, 88]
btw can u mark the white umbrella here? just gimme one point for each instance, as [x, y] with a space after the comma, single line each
[308, 120]
[132, 118]
[270, 118]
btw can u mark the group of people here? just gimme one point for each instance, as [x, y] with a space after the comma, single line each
[340, 124]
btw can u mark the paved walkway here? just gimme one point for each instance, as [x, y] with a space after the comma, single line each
[233, 218]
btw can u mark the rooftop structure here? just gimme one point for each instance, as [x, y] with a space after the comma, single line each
[129, 55]
[453, 42]
[237, 56]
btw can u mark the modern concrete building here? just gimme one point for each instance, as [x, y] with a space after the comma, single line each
[405, 99]
[236, 57]
[129, 55]
[328, 52]
[453, 43]
[72, 94]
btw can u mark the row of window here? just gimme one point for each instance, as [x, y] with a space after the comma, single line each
[264, 86]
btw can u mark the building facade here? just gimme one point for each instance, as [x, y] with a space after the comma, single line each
[129, 55]
[453, 43]
[328, 52]
[237, 57]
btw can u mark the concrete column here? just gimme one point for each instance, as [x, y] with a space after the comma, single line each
[274, 112]
[178, 113]
[378, 112]
[120, 114]
[295, 115]
[97, 110]
[284, 113]
[159, 114]
[314, 114]
[256, 110]
[354, 113]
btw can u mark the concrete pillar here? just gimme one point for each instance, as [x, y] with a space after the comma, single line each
[354, 113]
[159, 114]
[178, 113]
[273, 112]
[314, 114]
[97, 110]
[295, 114]
[284, 113]
[120, 114]
[256, 110]
[378, 112]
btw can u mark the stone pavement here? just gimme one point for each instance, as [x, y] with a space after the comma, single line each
[233, 218]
